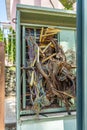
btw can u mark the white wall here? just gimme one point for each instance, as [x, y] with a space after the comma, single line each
[27, 2]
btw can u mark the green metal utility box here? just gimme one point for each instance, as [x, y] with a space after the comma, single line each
[30, 21]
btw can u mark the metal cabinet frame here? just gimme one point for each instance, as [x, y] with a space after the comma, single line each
[33, 16]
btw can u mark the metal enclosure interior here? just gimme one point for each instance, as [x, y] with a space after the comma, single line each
[35, 18]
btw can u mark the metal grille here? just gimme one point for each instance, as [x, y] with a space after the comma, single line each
[35, 93]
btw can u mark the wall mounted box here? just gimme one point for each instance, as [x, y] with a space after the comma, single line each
[29, 17]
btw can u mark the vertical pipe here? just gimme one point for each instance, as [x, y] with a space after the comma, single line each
[23, 62]
[79, 65]
[18, 63]
[84, 10]
[82, 63]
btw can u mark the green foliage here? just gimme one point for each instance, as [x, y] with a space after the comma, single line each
[11, 46]
[1, 35]
[2, 38]
[67, 3]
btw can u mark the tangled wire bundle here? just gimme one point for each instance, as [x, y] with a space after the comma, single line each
[50, 77]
